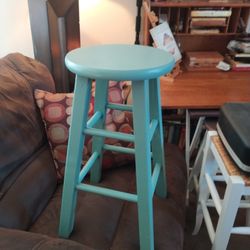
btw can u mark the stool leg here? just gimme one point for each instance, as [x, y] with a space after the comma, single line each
[101, 94]
[231, 202]
[203, 194]
[157, 140]
[187, 142]
[247, 212]
[194, 173]
[140, 90]
[208, 166]
[74, 154]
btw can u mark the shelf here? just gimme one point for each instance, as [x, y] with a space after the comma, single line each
[207, 34]
[178, 14]
[205, 3]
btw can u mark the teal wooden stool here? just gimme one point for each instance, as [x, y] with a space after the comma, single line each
[143, 66]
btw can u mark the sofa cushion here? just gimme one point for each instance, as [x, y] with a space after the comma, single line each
[27, 175]
[23, 201]
[21, 130]
[106, 223]
[56, 113]
[16, 239]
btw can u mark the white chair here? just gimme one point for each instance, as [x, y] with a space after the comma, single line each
[218, 166]
[207, 121]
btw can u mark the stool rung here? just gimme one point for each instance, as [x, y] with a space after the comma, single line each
[155, 176]
[89, 164]
[108, 192]
[219, 178]
[243, 203]
[119, 149]
[210, 203]
[120, 107]
[241, 230]
[214, 193]
[207, 218]
[152, 127]
[196, 135]
[110, 134]
[94, 119]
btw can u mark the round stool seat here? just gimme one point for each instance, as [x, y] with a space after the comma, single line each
[119, 62]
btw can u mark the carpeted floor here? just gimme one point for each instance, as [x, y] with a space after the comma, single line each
[201, 241]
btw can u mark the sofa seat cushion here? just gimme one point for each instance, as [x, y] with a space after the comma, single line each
[16, 240]
[23, 201]
[108, 223]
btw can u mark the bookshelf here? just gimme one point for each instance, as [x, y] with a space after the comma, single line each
[230, 23]
[179, 16]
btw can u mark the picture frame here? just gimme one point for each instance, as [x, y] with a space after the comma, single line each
[164, 39]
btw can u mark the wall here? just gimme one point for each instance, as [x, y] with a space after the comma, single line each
[102, 21]
[15, 28]
[107, 21]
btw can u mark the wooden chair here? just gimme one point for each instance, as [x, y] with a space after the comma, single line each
[217, 166]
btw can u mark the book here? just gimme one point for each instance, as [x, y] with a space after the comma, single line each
[170, 133]
[202, 60]
[241, 64]
[237, 66]
[211, 13]
[164, 39]
[204, 57]
[218, 1]
[239, 46]
[181, 143]
[241, 69]
[204, 31]
[242, 57]
[208, 21]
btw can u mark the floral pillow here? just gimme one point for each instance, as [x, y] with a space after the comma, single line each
[56, 113]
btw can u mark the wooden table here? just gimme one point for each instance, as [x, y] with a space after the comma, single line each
[205, 90]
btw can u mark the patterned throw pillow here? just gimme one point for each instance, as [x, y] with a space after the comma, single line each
[56, 113]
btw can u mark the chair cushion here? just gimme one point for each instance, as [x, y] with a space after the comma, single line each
[233, 128]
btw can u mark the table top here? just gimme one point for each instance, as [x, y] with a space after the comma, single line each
[119, 62]
[205, 90]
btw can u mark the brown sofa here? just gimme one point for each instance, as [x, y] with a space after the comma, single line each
[30, 195]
